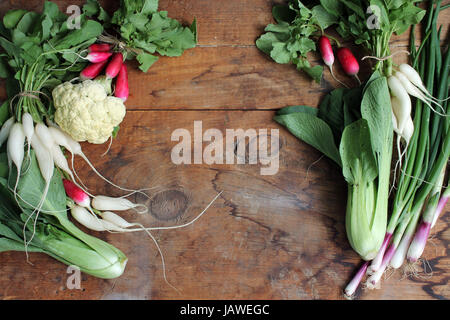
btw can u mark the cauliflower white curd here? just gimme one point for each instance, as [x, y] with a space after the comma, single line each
[86, 112]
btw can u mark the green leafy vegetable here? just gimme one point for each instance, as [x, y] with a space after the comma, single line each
[144, 31]
[41, 52]
[291, 39]
[4, 112]
[313, 131]
[358, 161]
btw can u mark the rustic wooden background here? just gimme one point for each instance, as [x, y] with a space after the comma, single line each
[266, 237]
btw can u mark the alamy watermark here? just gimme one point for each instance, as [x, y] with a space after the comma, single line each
[235, 147]
[373, 22]
[74, 279]
[74, 20]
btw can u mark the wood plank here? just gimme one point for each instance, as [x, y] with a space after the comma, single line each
[267, 237]
[206, 78]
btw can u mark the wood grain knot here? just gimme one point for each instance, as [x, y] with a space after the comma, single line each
[168, 205]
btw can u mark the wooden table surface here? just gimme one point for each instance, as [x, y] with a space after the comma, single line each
[266, 237]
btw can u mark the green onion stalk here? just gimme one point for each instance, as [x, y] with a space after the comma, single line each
[428, 134]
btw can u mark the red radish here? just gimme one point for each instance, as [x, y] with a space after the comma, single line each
[326, 50]
[122, 89]
[100, 47]
[327, 55]
[76, 194]
[93, 70]
[96, 57]
[348, 62]
[113, 68]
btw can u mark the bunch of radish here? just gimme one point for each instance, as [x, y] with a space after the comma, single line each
[404, 84]
[46, 142]
[101, 58]
[83, 209]
[345, 56]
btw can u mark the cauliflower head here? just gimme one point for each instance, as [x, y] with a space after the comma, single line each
[86, 112]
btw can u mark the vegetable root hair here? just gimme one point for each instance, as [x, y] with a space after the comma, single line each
[436, 185]
[412, 269]
[311, 165]
[428, 102]
[335, 78]
[34, 206]
[141, 191]
[387, 57]
[109, 146]
[163, 263]
[36, 211]
[399, 162]
[85, 188]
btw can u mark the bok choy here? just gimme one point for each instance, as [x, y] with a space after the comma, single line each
[358, 137]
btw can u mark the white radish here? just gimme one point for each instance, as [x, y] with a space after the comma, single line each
[43, 132]
[109, 226]
[61, 162]
[86, 219]
[396, 108]
[415, 79]
[413, 91]
[116, 219]
[104, 203]
[412, 76]
[60, 138]
[120, 222]
[394, 118]
[401, 116]
[91, 221]
[402, 108]
[408, 131]
[28, 129]
[47, 138]
[15, 150]
[5, 130]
